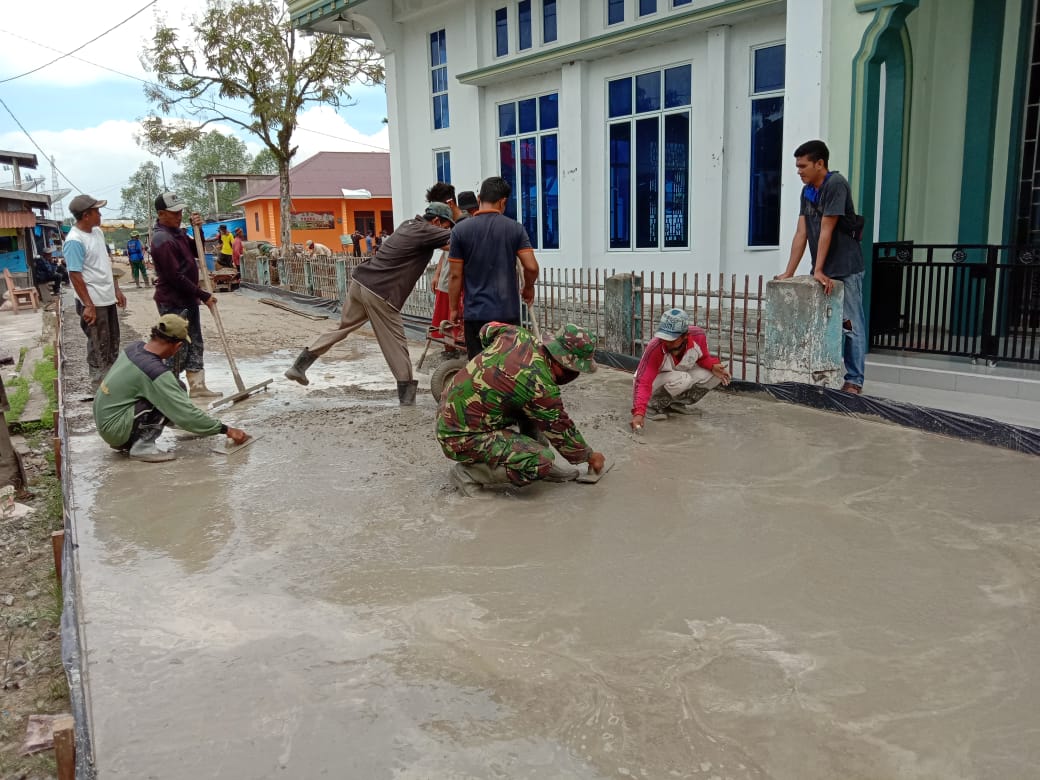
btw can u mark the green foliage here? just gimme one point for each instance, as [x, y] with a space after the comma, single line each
[140, 192]
[44, 373]
[212, 152]
[17, 397]
[265, 163]
[241, 64]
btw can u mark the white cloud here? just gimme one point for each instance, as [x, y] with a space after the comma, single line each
[72, 24]
[100, 159]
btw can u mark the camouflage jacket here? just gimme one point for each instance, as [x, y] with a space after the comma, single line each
[511, 378]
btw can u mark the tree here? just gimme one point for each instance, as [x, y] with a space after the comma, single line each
[264, 163]
[140, 192]
[212, 152]
[247, 52]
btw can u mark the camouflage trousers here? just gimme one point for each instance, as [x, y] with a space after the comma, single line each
[524, 459]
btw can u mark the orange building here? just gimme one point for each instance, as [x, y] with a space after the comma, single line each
[333, 194]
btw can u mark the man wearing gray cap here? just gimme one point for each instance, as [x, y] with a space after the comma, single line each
[377, 293]
[97, 292]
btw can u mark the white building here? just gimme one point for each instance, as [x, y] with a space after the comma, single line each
[658, 134]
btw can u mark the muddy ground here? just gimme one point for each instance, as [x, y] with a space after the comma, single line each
[760, 591]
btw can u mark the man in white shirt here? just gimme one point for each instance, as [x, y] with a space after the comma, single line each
[97, 293]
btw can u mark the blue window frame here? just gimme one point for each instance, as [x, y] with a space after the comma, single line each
[647, 7]
[649, 159]
[501, 32]
[528, 149]
[439, 79]
[523, 25]
[767, 131]
[615, 11]
[548, 21]
[442, 161]
[677, 3]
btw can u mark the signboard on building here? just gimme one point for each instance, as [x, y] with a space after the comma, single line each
[312, 220]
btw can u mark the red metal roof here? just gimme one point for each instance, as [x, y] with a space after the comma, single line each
[17, 219]
[327, 174]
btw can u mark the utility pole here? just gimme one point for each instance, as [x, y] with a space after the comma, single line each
[57, 208]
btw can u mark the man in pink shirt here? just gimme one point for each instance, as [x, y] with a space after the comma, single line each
[675, 372]
[237, 248]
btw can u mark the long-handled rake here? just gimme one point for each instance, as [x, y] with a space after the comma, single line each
[243, 391]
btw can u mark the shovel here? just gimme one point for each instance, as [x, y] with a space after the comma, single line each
[243, 391]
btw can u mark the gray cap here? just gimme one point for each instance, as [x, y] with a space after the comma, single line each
[441, 210]
[168, 201]
[82, 203]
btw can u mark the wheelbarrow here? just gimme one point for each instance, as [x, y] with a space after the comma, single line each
[447, 335]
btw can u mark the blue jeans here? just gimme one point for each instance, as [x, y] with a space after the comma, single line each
[854, 348]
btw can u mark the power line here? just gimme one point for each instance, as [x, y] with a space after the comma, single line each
[69, 54]
[153, 84]
[38, 147]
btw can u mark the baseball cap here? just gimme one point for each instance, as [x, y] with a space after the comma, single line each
[674, 323]
[572, 347]
[467, 199]
[81, 203]
[168, 201]
[173, 327]
[441, 210]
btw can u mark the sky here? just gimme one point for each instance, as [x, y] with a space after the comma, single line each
[85, 109]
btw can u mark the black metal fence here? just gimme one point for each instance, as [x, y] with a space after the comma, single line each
[974, 300]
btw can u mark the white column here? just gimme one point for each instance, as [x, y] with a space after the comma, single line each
[708, 181]
[575, 225]
[804, 114]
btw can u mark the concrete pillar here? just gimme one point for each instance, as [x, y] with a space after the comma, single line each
[804, 117]
[709, 216]
[803, 339]
[341, 279]
[623, 308]
[308, 277]
[574, 227]
[263, 271]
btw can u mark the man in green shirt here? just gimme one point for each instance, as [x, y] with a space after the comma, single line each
[140, 394]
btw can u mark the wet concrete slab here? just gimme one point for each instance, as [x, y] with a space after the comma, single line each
[761, 591]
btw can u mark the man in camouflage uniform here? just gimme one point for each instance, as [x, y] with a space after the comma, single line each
[516, 379]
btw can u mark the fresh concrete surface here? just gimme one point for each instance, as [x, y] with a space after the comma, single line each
[761, 591]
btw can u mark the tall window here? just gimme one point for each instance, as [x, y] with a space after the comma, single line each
[649, 148]
[530, 160]
[442, 160]
[501, 32]
[767, 135]
[439, 79]
[548, 21]
[647, 7]
[523, 25]
[615, 11]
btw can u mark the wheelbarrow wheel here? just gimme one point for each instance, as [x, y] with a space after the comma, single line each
[444, 375]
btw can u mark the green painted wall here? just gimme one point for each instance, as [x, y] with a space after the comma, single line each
[1006, 147]
[847, 26]
[940, 35]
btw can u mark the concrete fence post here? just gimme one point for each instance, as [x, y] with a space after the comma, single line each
[308, 277]
[341, 278]
[622, 309]
[803, 338]
[263, 271]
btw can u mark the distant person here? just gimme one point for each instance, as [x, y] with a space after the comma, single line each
[238, 248]
[177, 289]
[368, 242]
[48, 270]
[140, 395]
[483, 258]
[675, 371]
[97, 292]
[135, 253]
[513, 381]
[320, 250]
[226, 258]
[824, 220]
[355, 238]
[467, 202]
[377, 293]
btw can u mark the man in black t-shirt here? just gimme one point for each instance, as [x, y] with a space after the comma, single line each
[824, 218]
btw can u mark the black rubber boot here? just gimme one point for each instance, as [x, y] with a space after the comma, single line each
[298, 372]
[406, 392]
